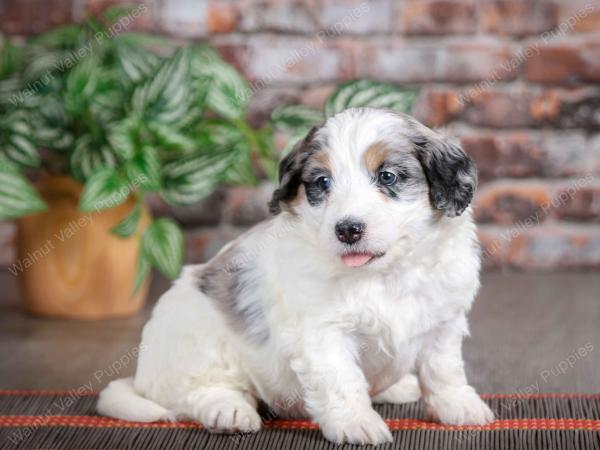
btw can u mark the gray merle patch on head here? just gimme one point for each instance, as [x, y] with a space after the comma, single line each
[225, 279]
[450, 172]
[290, 171]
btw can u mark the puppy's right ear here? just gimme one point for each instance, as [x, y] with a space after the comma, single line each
[290, 171]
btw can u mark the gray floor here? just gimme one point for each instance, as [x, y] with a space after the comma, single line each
[530, 333]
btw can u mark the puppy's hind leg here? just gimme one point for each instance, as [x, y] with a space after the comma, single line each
[406, 390]
[223, 409]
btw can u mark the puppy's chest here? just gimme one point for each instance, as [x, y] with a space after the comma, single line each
[383, 311]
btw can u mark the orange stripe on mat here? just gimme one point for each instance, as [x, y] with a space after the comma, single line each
[75, 393]
[394, 424]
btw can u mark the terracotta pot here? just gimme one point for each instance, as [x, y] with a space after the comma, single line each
[71, 265]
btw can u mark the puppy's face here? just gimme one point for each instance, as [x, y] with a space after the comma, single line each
[369, 180]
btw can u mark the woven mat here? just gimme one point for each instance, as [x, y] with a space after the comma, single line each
[66, 420]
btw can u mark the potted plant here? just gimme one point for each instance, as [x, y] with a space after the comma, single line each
[99, 122]
[91, 123]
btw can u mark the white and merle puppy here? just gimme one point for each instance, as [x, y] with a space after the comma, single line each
[355, 292]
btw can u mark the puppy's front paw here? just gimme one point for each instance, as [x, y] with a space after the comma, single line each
[224, 417]
[357, 427]
[458, 406]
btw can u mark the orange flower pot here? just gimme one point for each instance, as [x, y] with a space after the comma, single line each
[70, 265]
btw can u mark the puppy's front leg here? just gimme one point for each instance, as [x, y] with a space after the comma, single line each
[336, 393]
[447, 395]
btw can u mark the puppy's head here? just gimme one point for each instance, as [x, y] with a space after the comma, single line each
[368, 180]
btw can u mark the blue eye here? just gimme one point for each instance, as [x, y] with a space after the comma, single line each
[324, 182]
[387, 178]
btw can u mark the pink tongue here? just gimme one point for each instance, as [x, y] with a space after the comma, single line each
[356, 259]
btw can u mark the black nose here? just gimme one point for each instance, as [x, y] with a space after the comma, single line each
[349, 231]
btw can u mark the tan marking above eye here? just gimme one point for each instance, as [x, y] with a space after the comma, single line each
[323, 160]
[375, 155]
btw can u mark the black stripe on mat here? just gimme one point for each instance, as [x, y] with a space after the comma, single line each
[276, 439]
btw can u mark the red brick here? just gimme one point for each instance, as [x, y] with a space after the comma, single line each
[570, 61]
[458, 62]
[531, 154]
[567, 154]
[315, 97]
[355, 16]
[285, 17]
[578, 16]
[185, 19]
[437, 17]
[221, 18]
[500, 109]
[507, 203]
[246, 205]
[204, 243]
[265, 100]
[518, 154]
[567, 108]
[594, 153]
[523, 107]
[205, 212]
[547, 247]
[33, 16]
[295, 59]
[518, 17]
[579, 204]
[556, 247]
[436, 107]
[494, 245]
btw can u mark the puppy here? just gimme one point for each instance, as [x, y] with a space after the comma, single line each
[355, 292]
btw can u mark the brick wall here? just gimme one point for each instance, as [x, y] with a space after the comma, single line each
[517, 80]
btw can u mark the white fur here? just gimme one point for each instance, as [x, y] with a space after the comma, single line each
[338, 337]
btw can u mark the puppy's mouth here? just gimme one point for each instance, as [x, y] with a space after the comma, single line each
[358, 259]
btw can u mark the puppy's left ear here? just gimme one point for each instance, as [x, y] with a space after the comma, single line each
[450, 172]
[290, 172]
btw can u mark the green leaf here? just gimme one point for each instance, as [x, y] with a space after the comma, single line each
[140, 39]
[22, 151]
[11, 58]
[82, 85]
[129, 224]
[241, 171]
[17, 196]
[123, 136]
[88, 158]
[135, 63]
[167, 97]
[361, 93]
[116, 12]
[142, 272]
[162, 244]
[229, 93]
[105, 189]
[219, 134]
[52, 128]
[144, 169]
[43, 63]
[16, 141]
[63, 37]
[190, 179]
[169, 138]
[293, 116]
